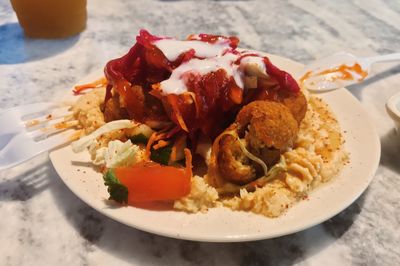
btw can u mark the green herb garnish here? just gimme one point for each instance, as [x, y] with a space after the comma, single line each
[139, 139]
[161, 155]
[117, 191]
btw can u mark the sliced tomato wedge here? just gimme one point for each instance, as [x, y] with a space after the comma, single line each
[151, 181]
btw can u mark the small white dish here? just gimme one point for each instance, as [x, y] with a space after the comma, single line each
[393, 109]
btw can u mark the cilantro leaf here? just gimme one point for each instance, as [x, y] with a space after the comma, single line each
[139, 139]
[117, 191]
[161, 155]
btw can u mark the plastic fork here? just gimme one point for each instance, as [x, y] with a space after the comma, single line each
[29, 130]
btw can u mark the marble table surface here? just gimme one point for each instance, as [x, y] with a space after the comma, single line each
[43, 223]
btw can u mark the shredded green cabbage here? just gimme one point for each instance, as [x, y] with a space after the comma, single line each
[247, 153]
[273, 173]
[86, 141]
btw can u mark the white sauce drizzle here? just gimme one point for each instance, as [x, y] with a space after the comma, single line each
[173, 48]
[255, 60]
[216, 56]
[176, 85]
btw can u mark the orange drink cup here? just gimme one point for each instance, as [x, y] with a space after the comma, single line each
[51, 18]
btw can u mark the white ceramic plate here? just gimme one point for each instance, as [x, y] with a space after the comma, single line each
[224, 225]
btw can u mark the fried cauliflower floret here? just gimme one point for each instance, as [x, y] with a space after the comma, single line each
[269, 124]
[233, 164]
[116, 107]
[268, 128]
[297, 104]
[113, 110]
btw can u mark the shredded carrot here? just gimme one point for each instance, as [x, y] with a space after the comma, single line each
[191, 37]
[188, 157]
[172, 99]
[187, 98]
[172, 157]
[178, 145]
[236, 94]
[160, 144]
[97, 83]
[156, 86]
[153, 138]
[196, 104]
[155, 90]
[173, 131]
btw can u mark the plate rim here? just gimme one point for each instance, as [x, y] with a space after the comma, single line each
[253, 237]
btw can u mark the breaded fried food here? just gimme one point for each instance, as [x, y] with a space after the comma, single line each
[268, 129]
[113, 111]
[118, 107]
[297, 104]
[268, 124]
[234, 166]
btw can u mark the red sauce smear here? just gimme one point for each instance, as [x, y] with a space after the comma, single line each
[97, 83]
[344, 71]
